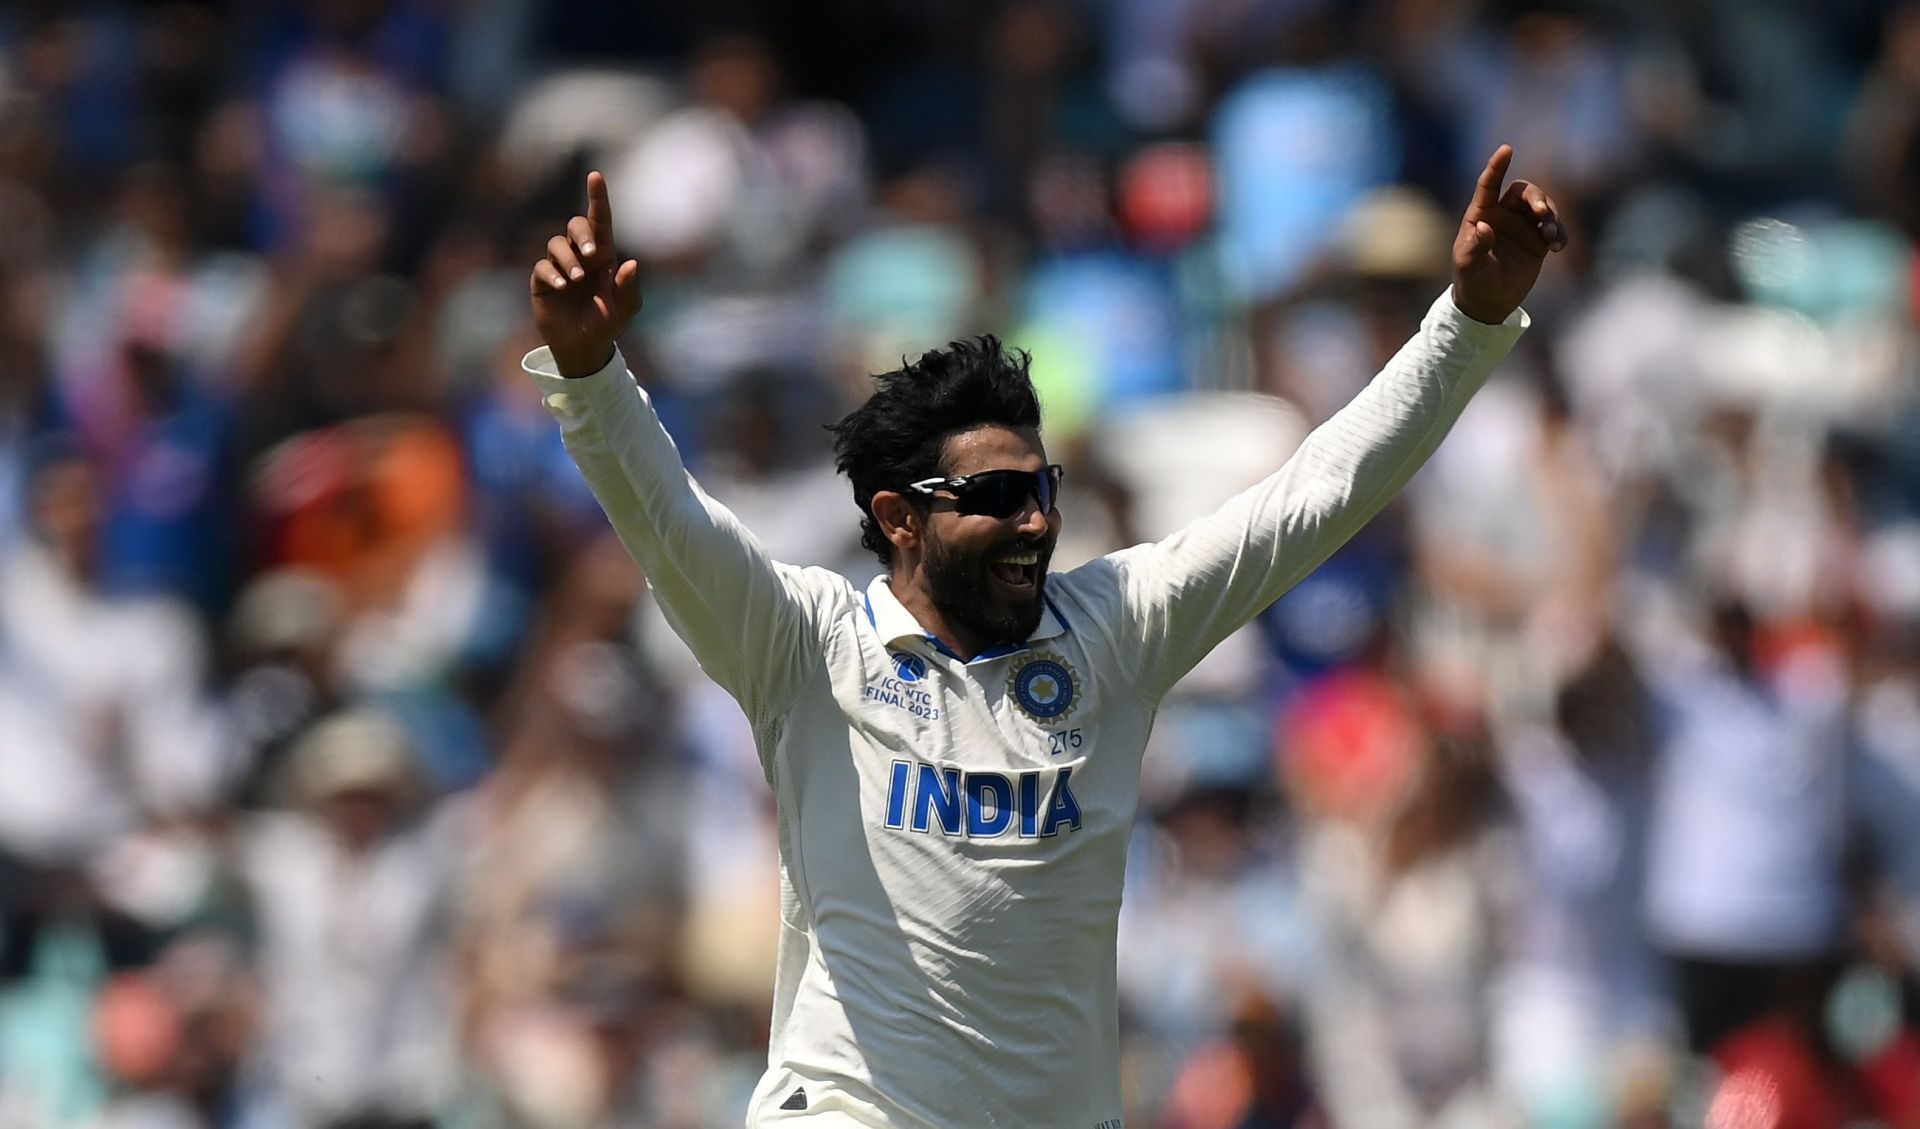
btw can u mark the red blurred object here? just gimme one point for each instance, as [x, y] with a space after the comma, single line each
[136, 1026]
[1893, 1079]
[1166, 195]
[1775, 1080]
[1349, 744]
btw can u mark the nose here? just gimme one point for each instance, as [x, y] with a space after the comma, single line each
[1033, 519]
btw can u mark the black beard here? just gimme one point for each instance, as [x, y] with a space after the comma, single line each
[959, 586]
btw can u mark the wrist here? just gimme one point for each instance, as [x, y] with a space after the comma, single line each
[573, 364]
[1478, 311]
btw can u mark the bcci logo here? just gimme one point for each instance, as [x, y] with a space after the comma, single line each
[1045, 688]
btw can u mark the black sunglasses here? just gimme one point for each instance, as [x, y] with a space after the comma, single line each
[996, 493]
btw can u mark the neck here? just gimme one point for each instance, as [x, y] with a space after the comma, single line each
[909, 588]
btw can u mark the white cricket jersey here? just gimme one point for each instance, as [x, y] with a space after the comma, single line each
[953, 834]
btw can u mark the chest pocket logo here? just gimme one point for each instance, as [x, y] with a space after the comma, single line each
[1046, 687]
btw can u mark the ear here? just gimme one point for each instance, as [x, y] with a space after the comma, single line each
[899, 521]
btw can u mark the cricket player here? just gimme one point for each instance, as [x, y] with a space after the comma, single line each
[955, 750]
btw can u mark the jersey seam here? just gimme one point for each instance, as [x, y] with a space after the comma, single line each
[783, 792]
[770, 711]
[1133, 678]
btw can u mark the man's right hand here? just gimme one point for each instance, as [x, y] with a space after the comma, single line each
[582, 300]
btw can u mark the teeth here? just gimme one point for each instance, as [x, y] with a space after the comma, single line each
[1021, 558]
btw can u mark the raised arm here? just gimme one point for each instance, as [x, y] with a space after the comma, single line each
[1182, 596]
[747, 619]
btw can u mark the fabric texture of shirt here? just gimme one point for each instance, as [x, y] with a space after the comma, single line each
[953, 834]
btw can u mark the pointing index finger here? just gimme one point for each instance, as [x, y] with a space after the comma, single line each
[599, 209]
[1486, 193]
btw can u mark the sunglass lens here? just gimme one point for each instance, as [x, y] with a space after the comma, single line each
[1000, 494]
[1004, 493]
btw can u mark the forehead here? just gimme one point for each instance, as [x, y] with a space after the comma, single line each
[993, 446]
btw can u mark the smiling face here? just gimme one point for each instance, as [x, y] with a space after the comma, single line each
[985, 574]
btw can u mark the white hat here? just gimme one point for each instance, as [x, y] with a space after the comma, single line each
[354, 750]
[1396, 232]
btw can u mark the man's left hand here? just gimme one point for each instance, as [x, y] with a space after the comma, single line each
[1504, 237]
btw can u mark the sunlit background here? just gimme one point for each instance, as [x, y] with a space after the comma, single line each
[349, 780]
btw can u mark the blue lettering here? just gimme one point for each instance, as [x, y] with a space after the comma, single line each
[1063, 809]
[984, 790]
[979, 805]
[897, 795]
[937, 790]
[891, 692]
[1029, 805]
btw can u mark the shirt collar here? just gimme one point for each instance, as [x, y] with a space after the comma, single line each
[894, 622]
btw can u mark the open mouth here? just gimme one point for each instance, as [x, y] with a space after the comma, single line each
[1018, 570]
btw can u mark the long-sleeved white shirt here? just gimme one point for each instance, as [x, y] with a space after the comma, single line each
[953, 834]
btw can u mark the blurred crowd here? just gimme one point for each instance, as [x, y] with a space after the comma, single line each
[348, 778]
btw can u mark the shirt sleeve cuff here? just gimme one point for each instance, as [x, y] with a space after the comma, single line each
[540, 366]
[1516, 322]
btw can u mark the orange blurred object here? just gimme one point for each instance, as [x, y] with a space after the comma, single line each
[363, 495]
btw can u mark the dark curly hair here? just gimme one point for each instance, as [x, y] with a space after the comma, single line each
[900, 433]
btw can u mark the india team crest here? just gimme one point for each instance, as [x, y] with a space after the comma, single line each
[1045, 687]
